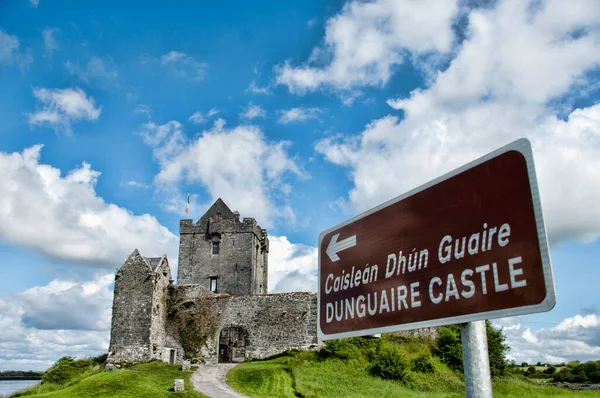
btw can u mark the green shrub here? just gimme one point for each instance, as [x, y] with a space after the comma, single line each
[550, 370]
[390, 364]
[66, 370]
[357, 348]
[449, 348]
[423, 364]
[64, 360]
[576, 372]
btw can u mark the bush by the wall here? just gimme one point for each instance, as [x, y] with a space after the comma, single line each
[389, 363]
[449, 348]
[423, 364]
[65, 370]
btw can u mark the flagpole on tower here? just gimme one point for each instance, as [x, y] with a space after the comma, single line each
[187, 204]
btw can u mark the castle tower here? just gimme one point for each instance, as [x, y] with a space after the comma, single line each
[222, 253]
[138, 313]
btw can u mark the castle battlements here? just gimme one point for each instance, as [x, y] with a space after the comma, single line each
[219, 310]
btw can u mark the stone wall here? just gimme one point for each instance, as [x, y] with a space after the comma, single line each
[274, 322]
[160, 345]
[240, 266]
[132, 310]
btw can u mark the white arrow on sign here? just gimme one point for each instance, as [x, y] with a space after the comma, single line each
[335, 246]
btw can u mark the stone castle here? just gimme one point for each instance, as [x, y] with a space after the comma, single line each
[219, 309]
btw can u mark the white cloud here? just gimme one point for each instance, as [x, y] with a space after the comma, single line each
[34, 3]
[298, 115]
[200, 118]
[253, 111]
[63, 217]
[496, 89]
[50, 43]
[62, 107]
[9, 51]
[572, 339]
[292, 266]
[366, 40]
[237, 164]
[255, 89]
[64, 304]
[62, 318]
[183, 65]
[101, 71]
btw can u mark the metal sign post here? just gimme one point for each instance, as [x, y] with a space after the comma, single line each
[476, 361]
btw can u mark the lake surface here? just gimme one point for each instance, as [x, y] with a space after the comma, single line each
[8, 387]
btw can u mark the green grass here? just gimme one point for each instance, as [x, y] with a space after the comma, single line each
[151, 379]
[305, 374]
[261, 379]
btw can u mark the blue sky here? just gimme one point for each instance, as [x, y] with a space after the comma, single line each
[301, 116]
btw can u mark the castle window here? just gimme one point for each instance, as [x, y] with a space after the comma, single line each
[213, 284]
[215, 248]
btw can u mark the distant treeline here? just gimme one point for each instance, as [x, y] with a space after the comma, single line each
[20, 375]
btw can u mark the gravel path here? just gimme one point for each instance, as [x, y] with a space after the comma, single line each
[210, 380]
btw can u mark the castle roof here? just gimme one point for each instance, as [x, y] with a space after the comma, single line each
[154, 261]
[218, 210]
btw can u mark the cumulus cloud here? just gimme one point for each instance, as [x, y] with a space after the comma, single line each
[574, 338]
[61, 107]
[61, 216]
[99, 71]
[292, 266]
[183, 66]
[62, 318]
[200, 118]
[253, 111]
[50, 42]
[64, 304]
[239, 164]
[366, 40]
[298, 115]
[516, 59]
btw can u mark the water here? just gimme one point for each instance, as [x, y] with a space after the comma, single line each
[8, 387]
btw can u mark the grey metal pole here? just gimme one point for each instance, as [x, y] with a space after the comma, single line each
[476, 360]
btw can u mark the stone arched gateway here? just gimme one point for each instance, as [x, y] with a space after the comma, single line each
[233, 341]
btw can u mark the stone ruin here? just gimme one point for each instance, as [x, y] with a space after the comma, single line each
[219, 309]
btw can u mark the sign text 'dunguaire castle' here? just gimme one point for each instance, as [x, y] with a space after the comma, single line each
[472, 246]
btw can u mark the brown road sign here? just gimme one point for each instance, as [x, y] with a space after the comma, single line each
[468, 246]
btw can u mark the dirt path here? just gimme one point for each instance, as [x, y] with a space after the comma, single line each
[210, 380]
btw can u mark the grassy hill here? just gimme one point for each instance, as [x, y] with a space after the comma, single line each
[357, 368]
[79, 379]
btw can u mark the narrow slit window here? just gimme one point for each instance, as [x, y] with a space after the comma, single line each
[213, 284]
[215, 248]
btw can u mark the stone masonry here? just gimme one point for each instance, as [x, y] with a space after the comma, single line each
[240, 265]
[219, 309]
[221, 284]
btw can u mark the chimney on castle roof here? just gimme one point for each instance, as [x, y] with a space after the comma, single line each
[236, 216]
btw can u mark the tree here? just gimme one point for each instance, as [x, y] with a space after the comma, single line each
[524, 365]
[449, 348]
[497, 349]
